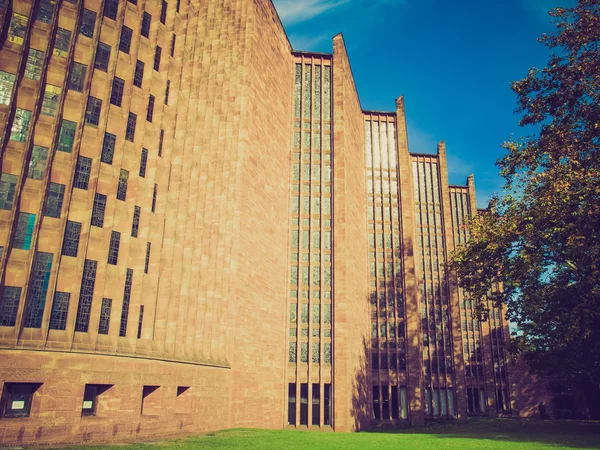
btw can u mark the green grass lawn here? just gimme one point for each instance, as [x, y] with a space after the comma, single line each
[480, 434]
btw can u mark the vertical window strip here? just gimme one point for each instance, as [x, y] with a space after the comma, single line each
[86, 295]
[38, 289]
[126, 300]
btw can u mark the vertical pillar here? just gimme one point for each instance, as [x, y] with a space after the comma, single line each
[453, 301]
[414, 352]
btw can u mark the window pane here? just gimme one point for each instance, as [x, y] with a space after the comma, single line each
[36, 295]
[130, 131]
[163, 12]
[24, 231]
[50, 102]
[61, 44]
[136, 221]
[126, 299]
[45, 11]
[71, 240]
[86, 295]
[60, 309]
[116, 95]
[104, 323]
[7, 81]
[55, 199]
[122, 186]
[150, 111]
[143, 162]
[38, 162]
[8, 185]
[125, 41]
[66, 136]
[110, 9]
[108, 148]
[77, 77]
[138, 76]
[33, 68]
[102, 57]
[20, 126]
[113, 248]
[9, 306]
[146, 20]
[82, 172]
[157, 53]
[92, 115]
[17, 28]
[98, 210]
[88, 22]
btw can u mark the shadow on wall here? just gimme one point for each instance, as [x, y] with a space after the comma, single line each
[360, 387]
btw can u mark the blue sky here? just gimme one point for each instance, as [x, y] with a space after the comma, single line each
[453, 60]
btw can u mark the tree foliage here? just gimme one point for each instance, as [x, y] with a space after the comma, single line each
[540, 240]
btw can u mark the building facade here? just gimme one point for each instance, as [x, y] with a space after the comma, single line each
[201, 228]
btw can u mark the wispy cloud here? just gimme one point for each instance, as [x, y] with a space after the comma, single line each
[458, 168]
[420, 141]
[295, 11]
[308, 42]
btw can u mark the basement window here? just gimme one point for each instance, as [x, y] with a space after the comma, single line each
[16, 399]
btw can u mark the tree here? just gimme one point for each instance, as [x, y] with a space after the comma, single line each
[540, 239]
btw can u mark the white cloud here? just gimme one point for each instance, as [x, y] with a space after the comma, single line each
[420, 141]
[295, 11]
[306, 42]
[458, 169]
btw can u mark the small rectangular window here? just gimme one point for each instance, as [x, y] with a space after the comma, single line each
[138, 75]
[108, 148]
[61, 43]
[102, 57]
[60, 310]
[24, 231]
[150, 111]
[66, 136]
[88, 23]
[147, 263]
[38, 289]
[38, 162]
[20, 126]
[8, 185]
[104, 323]
[130, 130]
[163, 12]
[116, 95]
[122, 187]
[77, 77]
[143, 162]
[125, 41]
[140, 322]
[98, 210]
[71, 239]
[17, 398]
[126, 299]
[151, 400]
[9, 306]
[17, 29]
[154, 195]
[110, 9]
[91, 395]
[7, 81]
[45, 11]
[82, 172]
[35, 61]
[146, 20]
[160, 142]
[168, 88]
[135, 226]
[92, 114]
[56, 194]
[157, 53]
[86, 293]
[173, 40]
[50, 101]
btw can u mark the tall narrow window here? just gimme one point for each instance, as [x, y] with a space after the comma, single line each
[38, 162]
[54, 201]
[82, 173]
[292, 404]
[20, 126]
[38, 288]
[66, 138]
[143, 163]
[163, 12]
[154, 194]
[146, 20]
[7, 81]
[88, 23]
[8, 185]
[316, 404]
[173, 40]
[150, 111]
[130, 130]
[168, 88]
[116, 95]
[102, 57]
[125, 41]
[9, 306]
[77, 77]
[33, 67]
[303, 403]
[60, 309]
[17, 28]
[86, 295]
[147, 263]
[135, 226]
[50, 101]
[45, 11]
[104, 323]
[98, 210]
[160, 142]
[140, 322]
[61, 43]
[126, 299]
[92, 114]
[24, 231]
[110, 9]
[71, 239]
[122, 187]
[138, 75]
[157, 53]
[108, 148]
[113, 248]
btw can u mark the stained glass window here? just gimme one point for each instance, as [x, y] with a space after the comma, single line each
[38, 162]
[9, 306]
[24, 231]
[20, 126]
[60, 309]
[86, 295]
[54, 201]
[126, 300]
[104, 322]
[7, 81]
[38, 288]
[71, 239]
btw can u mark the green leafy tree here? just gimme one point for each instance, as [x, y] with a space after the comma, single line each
[540, 239]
